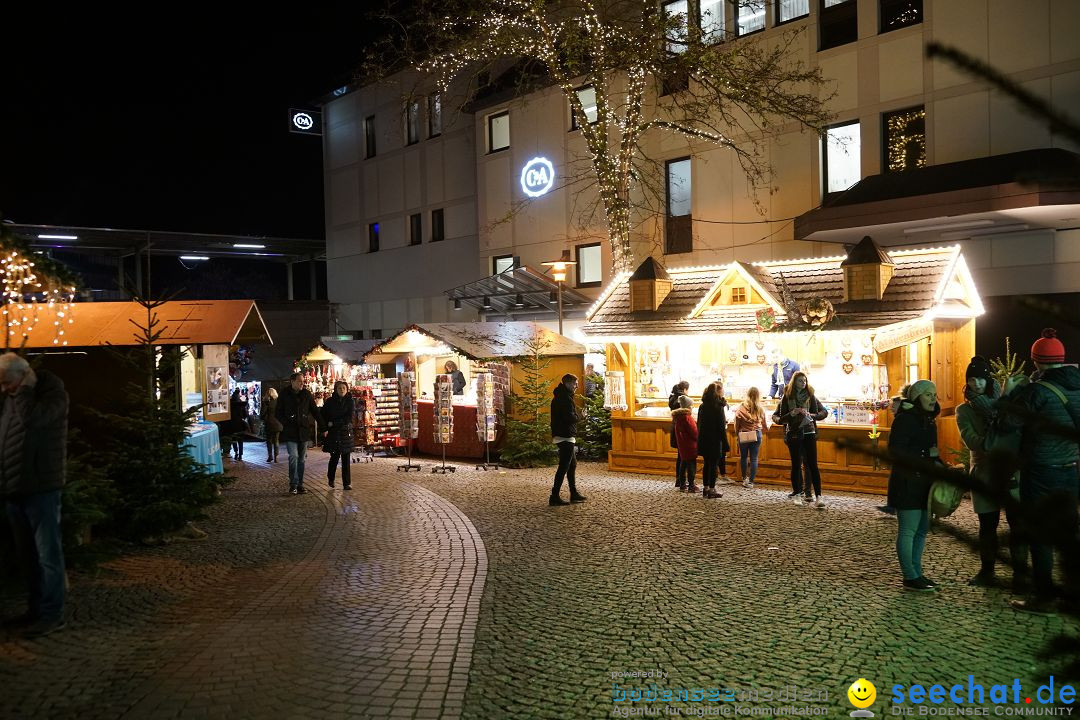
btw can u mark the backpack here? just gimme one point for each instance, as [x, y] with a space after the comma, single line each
[944, 499]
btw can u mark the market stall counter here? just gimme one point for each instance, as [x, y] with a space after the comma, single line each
[861, 326]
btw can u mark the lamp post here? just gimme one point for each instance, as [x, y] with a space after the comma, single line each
[558, 274]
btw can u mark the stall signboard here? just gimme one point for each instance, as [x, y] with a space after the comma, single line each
[216, 381]
[903, 334]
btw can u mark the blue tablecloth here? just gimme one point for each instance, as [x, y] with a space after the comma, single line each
[205, 446]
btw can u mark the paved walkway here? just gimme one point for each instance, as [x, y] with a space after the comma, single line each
[385, 602]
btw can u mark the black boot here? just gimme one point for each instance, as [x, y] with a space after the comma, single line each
[556, 500]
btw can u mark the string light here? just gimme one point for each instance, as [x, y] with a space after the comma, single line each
[26, 294]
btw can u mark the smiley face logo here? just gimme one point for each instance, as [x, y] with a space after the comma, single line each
[862, 693]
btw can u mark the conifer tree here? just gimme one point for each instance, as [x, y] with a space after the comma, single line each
[596, 425]
[528, 426]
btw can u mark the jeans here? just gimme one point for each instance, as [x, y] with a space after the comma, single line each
[912, 526]
[567, 467]
[1037, 482]
[346, 479]
[803, 449]
[749, 451]
[35, 521]
[297, 453]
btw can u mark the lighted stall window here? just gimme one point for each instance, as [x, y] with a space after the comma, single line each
[587, 98]
[751, 17]
[712, 21]
[499, 131]
[842, 167]
[677, 33]
[905, 139]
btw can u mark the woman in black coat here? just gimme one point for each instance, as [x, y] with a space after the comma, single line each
[712, 437]
[337, 413]
[913, 435]
[673, 404]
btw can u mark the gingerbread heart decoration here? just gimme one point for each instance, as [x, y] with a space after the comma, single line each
[848, 368]
[761, 359]
[846, 355]
[867, 359]
[759, 345]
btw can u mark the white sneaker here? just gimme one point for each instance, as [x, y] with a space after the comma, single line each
[821, 503]
[798, 501]
[746, 483]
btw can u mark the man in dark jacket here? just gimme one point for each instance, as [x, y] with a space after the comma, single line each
[33, 454]
[564, 419]
[1048, 461]
[297, 412]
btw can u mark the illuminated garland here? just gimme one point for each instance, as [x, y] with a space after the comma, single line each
[30, 284]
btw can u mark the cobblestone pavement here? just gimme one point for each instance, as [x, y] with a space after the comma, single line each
[368, 604]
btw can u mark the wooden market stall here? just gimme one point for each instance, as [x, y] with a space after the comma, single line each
[861, 326]
[473, 347]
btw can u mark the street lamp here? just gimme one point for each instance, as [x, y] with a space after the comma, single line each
[558, 274]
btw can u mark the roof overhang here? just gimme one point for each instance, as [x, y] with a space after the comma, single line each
[519, 292]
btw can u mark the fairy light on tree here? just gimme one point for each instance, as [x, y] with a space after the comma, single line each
[734, 94]
[36, 290]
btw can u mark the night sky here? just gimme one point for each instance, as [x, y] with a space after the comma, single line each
[185, 135]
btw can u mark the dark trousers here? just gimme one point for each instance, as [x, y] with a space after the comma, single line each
[803, 449]
[35, 522]
[988, 542]
[678, 471]
[272, 439]
[346, 467]
[238, 448]
[567, 468]
[1050, 522]
[689, 472]
[709, 465]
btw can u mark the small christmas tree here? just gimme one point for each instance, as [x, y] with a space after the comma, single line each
[528, 428]
[596, 425]
[159, 486]
[1001, 369]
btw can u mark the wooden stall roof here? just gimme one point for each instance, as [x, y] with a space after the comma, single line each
[183, 322]
[922, 284]
[350, 351]
[477, 340]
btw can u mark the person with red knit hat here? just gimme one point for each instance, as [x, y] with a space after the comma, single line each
[1049, 473]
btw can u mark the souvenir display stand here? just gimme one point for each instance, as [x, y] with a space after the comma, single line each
[409, 421]
[363, 424]
[485, 416]
[444, 419]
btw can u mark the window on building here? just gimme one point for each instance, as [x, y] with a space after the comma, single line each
[499, 131]
[415, 229]
[738, 295]
[412, 122]
[678, 11]
[438, 231]
[838, 23]
[896, 14]
[678, 236]
[749, 16]
[376, 334]
[841, 159]
[587, 98]
[369, 136]
[788, 10]
[501, 263]
[712, 21]
[373, 237]
[590, 270]
[905, 139]
[434, 115]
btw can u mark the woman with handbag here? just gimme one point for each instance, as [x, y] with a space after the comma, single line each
[712, 427]
[337, 414]
[749, 423]
[799, 411]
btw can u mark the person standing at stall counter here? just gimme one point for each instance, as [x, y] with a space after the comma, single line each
[564, 420]
[711, 438]
[799, 411]
[456, 377]
[296, 411]
[783, 370]
[680, 389]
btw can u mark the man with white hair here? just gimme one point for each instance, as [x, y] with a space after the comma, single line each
[33, 453]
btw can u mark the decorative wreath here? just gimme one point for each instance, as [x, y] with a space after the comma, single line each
[766, 319]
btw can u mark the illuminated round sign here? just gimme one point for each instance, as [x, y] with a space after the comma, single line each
[303, 121]
[537, 177]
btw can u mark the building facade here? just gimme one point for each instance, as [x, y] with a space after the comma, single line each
[420, 200]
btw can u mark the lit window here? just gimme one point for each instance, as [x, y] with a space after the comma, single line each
[677, 33]
[896, 14]
[587, 98]
[501, 263]
[499, 131]
[678, 237]
[412, 122]
[842, 167]
[750, 17]
[589, 268]
[905, 139]
[787, 10]
[434, 114]
[712, 21]
[738, 295]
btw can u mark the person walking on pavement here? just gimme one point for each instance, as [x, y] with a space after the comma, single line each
[686, 434]
[564, 420]
[913, 435]
[1049, 480]
[680, 388]
[296, 411]
[33, 457]
[271, 425]
[337, 412]
[711, 438]
[238, 423]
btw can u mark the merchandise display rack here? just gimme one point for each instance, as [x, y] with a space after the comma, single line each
[387, 414]
[409, 421]
[486, 418]
[444, 419]
[363, 424]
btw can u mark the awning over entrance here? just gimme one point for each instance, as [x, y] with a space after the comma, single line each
[1029, 190]
[519, 291]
